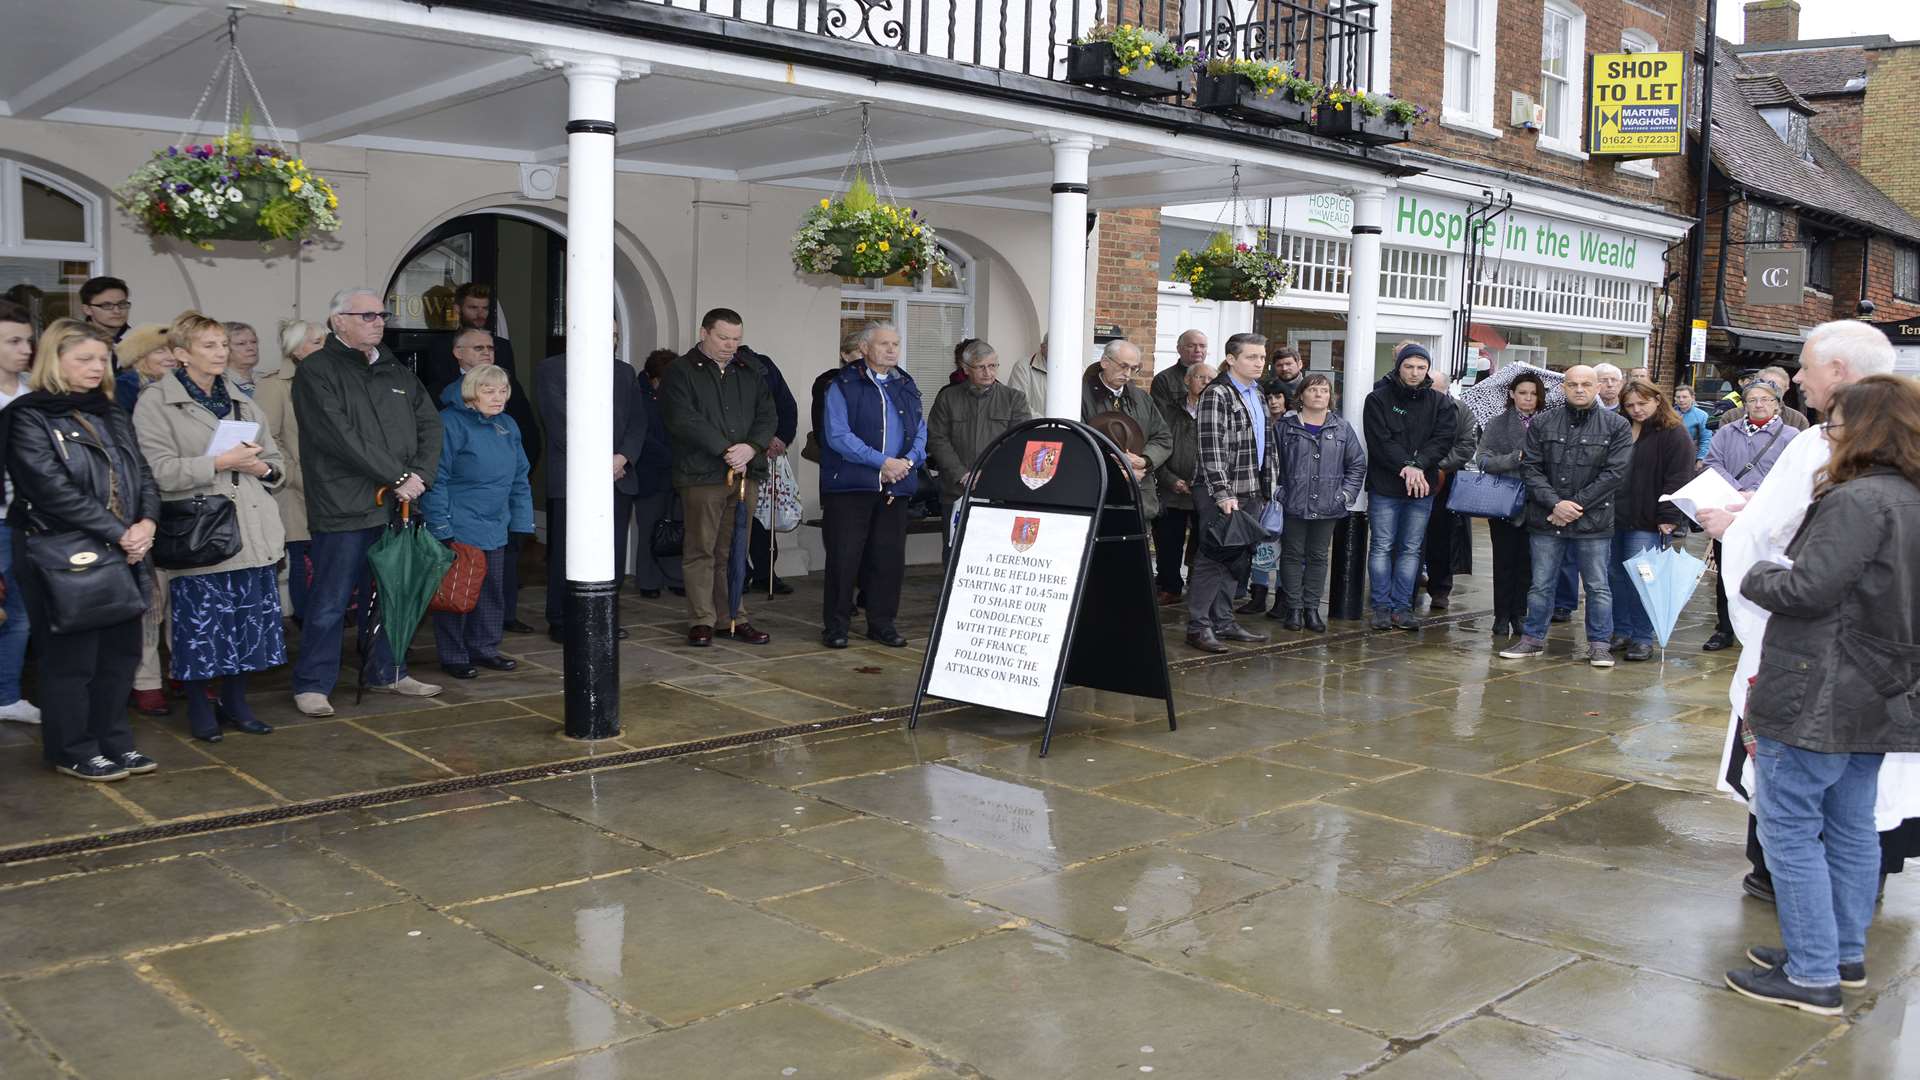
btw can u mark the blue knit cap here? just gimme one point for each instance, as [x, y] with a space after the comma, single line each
[1410, 350]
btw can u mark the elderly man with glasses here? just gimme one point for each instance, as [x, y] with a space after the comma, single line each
[366, 423]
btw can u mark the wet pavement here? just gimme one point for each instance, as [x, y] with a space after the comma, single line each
[1390, 855]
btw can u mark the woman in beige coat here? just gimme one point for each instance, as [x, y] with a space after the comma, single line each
[226, 617]
[273, 392]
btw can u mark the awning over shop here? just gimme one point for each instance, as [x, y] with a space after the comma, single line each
[1761, 347]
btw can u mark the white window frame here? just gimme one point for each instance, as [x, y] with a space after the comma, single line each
[1479, 119]
[1906, 253]
[14, 244]
[1638, 41]
[1573, 105]
[871, 291]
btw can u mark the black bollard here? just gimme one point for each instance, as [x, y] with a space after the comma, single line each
[592, 660]
[1347, 594]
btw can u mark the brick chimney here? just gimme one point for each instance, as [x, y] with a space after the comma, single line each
[1771, 22]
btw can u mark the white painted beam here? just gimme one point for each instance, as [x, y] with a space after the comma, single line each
[893, 155]
[479, 82]
[157, 37]
[1026, 180]
[707, 125]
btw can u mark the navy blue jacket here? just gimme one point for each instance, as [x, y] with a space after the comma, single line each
[869, 417]
[786, 411]
[653, 473]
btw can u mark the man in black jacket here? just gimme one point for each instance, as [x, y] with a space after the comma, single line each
[1444, 525]
[786, 424]
[1409, 430]
[1574, 467]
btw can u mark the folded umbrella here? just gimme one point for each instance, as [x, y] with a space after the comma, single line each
[1230, 537]
[407, 565]
[737, 556]
[1664, 577]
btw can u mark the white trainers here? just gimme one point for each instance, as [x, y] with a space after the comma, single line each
[312, 704]
[407, 687]
[20, 712]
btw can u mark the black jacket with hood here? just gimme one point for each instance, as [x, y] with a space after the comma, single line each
[1405, 425]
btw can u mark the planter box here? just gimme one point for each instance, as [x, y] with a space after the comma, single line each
[1095, 65]
[1236, 95]
[1354, 126]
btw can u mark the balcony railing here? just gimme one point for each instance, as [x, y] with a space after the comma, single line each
[1328, 41]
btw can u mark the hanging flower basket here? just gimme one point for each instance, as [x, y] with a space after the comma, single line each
[1260, 92]
[1225, 270]
[857, 235]
[1129, 60]
[1369, 119]
[229, 189]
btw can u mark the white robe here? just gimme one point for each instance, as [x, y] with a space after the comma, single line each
[1760, 533]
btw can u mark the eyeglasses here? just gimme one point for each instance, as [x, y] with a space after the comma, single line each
[118, 305]
[368, 316]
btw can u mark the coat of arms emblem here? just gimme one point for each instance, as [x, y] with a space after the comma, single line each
[1026, 530]
[1038, 463]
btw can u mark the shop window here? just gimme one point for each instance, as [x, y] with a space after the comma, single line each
[1766, 225]
[1468, 91]
[933, 314]
[1906, 273]
[1819, 259]
[1319, 264]
[49, 240]
[1509, 286]
[1563, 50]
[1420, 276]
[1177, 238]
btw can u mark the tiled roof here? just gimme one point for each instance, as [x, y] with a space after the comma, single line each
[1815, 72]
[1748, 151]
[1762, 91]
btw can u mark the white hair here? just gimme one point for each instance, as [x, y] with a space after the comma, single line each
[293, 332]
[872, 328]
[1185, 334]
[1608, 369]
[340, 302]
[1112, 350]
[1862, 348]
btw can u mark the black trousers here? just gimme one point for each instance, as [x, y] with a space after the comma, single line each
[1176, 536]
[557, 551]
[1449, 546]
[1512, 571]
[84, 679]
[1724, 625]
[865, 534]
[510, 576]
[759, 554]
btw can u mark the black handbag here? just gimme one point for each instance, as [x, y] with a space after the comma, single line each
[196, 532]
[669, 537]
[88, 583]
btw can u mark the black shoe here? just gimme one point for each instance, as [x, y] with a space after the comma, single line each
[556, 635]
[209, 736]
[677, 590]
[1773, 987]
[1311, 618]
[250, 725]
[1293, 620]
[1206, 642]
[1405, 620]
[460, 671]
[780, 588]
[1757, 887]
[97, 767]
[136, 762]
[1720, 640]
[1438, 601]
[834, 639]
[497, 663]
[1562, 614]
[515, 626]
[620, 633]
[1236, 632]
[888, 637]
[1256, 601]
[649, 594]
[1852, 976]
[1618, 642]
[1502, 628]
[1638, 650]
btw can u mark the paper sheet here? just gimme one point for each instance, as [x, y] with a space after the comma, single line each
[232, 433]
[1709, 488]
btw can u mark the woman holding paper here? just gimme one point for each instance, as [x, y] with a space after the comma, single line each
[1743, 453]
[202, 438]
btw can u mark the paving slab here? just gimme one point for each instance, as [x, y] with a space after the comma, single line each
[915, 855]
[1462, 741]
[886, 916]
[1130, 894]
[1683, 835]
[310, 880]
[1229, 790]
[1342, 850]
[679, 808]
[1882, 1044]
[1489, 1048]
[778, 1039]
[762, 869]
[148, 1036]
[1462, 804]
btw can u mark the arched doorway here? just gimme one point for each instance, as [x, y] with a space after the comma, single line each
[521, 260]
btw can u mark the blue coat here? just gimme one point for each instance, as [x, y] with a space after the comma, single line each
[865, 427]
[653, 473]
[1320, 475]
[481, 492]
[1695, 420]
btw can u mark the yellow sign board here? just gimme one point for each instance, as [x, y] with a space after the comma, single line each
[1638, 104]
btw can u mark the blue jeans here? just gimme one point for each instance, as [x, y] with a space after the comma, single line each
[299, 575]
[339, 564]
[13, 632]
[1395, 548]
[1566, 594]
[1816, 824]
[1591, 553]
[1630, 616]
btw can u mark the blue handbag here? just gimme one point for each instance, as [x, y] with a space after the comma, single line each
[1487, 495]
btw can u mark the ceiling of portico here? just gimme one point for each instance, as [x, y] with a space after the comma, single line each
[357, 82]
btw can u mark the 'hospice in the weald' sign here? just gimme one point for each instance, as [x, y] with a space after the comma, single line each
[1008, 611]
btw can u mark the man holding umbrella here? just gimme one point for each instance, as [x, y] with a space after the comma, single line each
[1238, 463]
[365, 424]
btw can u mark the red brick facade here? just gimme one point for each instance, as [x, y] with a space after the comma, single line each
[1838, 124]
[1127, 284]
[1817, 306]
[1890, 141]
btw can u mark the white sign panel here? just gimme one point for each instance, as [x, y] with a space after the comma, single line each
[1415, 219]
[1010, 608]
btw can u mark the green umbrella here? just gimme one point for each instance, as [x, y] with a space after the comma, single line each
[407, 564]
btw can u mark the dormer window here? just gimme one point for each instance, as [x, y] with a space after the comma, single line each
[1790, 125]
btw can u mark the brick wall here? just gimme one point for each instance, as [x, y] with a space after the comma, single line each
[1816, 307]
[1890, 141]
[1770, 21]
[1839, 124]
[1126, 288]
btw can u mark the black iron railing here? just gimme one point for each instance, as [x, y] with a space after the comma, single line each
[1328, 41]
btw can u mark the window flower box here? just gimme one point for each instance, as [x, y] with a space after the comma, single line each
[1368, 119]
[1126, 59]
[1237, 95]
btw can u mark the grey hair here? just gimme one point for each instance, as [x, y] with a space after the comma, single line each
[339, 305]
[1776, 375]
[235, 327]
[1766, 387]
[1604, 368]
[1185, 334]
[482, 375]
[1864, 349]
[872, 328]
[468, 331]
[1112, 350]
[976, 351]
[292, 333]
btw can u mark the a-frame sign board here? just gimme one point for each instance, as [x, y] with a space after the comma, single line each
[1050, 580]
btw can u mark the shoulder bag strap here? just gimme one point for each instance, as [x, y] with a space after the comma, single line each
[1748, 467]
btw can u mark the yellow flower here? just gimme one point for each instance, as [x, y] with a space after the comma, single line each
[825, 203]
[1339, 108]
[884, 247]
[916, 230]
[294, 184]
[860, 247]
[204, 246]
[1125, 70]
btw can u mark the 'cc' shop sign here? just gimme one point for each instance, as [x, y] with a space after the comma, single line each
[1776, 277]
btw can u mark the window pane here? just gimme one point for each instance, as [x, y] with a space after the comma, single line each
[1551, 95]
[948, 277]
[422, 297]
[900, 279]
[1463, 21]
[1553, 43]
[1460, 80]
[856, 314]
[932, 332]
[49, 288]
[1177, 238]
[51, 215]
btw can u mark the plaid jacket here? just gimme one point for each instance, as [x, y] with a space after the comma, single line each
[1227, 465]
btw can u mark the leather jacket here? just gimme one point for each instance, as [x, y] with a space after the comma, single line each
[1577, 454]
[62, 474]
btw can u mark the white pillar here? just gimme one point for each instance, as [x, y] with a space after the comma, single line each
[1067, 295]
[1363, 302]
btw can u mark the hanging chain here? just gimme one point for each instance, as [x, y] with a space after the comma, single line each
[232, 65]
[865, 157]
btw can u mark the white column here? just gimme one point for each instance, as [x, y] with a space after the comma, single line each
[1363, 302]
[1067, 295]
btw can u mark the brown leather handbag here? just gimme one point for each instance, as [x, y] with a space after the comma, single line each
[459, 591]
